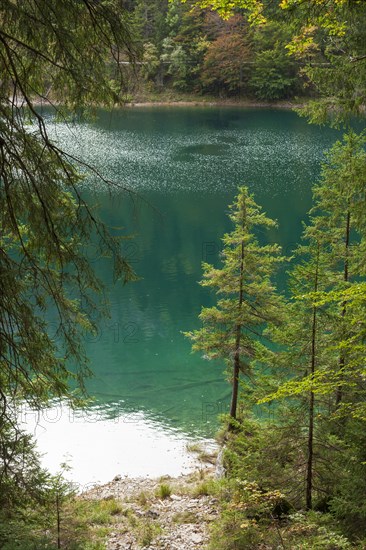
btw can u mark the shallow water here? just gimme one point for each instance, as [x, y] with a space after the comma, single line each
[96, 448]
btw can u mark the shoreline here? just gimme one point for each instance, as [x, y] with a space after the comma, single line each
[171, 452]
[159, 513]
[187, 102]
[245, 103]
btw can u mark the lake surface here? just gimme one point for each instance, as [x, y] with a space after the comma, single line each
[184, 166]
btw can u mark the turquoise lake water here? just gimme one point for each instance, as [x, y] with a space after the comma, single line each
[184, 166]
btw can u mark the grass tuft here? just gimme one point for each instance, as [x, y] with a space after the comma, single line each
[164, 491]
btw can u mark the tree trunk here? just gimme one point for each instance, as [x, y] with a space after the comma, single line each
[236, 369]
[58, 521]
[309, 469]
[342, 357]
[235, 391]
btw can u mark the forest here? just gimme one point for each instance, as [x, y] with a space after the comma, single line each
[293, 441]
[189, 48]
[192, 50]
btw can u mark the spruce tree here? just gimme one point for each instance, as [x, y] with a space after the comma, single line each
[57, 51]
[54, 52]
[247, 297]
[302, 356]
[339, 224]
[323, 341]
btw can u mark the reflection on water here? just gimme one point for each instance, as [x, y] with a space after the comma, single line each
[201, 150]
[97, 447]
[186, 164]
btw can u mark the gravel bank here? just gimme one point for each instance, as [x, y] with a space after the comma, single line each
[161, 514]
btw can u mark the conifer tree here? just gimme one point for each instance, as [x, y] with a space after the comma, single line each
[58, 52]
[303, 355]
[55, 51]
[247, 298]
[324, 344]
[340, 225]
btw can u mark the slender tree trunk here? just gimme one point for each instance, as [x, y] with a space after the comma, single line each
[309, 472]
[310, 461]
[236, 369]
[235, 392]
[342, 357]
[58, 521]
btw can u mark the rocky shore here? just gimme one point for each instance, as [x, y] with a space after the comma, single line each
[212, 102]
[161, 514]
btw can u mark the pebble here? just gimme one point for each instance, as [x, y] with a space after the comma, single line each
[152, 514]
[184, 520]
[196, 538]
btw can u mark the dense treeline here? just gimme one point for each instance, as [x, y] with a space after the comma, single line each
[295, 439]
[193, 50]
[296, 468]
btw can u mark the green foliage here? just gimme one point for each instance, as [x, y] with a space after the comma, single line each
[247, 299]
[226, 8]
[142, 498]
[176, 59]
[261, 514]
[37, 509]
[307, 535]
[314, 530]
[144, 529]
[275, 73]
[52, 45]
[147, 531]
[332, 37]
[21, 478]
[326, 36]
[173, 42]
[184, 47]
[337, 230]
[322, 341]
[248, 518]
[164, 491]
[312, 448]
[151, 61]
[273, 76]
[64, 52]
[188, 47]
[150, 19]
[348, 502]
[86, 526]
[100, 512]
[207, 487]
[23, 487]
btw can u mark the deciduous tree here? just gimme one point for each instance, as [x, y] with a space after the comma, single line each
[226, 66]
